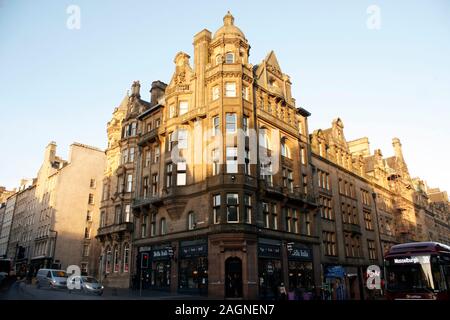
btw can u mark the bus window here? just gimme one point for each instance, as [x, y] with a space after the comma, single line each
[446, 270]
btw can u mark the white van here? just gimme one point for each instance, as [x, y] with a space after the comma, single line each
[53, 278]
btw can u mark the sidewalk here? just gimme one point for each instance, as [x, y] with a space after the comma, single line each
[117, 293]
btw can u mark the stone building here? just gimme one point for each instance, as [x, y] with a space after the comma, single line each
[368, 203]
[116, 218]
[215, 186]
[6, 224]
[224, 201]
[66, 209]
[5, 194]
[20, 244]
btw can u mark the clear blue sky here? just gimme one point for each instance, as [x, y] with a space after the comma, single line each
[60, 84]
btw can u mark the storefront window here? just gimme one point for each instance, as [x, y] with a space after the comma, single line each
[194, 273]
[270, 277]
[161, 274]
[301, 278]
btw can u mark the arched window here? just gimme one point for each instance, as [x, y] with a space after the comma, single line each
[108, 260]
[264, 139]
[285, 151]
[126, 257]
[163, 226]
[116, 259]
[229, 57]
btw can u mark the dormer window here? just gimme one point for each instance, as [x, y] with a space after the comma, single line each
[229, 57]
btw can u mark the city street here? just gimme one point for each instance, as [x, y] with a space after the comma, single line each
[21, 291]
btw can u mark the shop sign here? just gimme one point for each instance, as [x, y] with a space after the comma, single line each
[335, 272]
[161, 254]
[143, 249]
[269, 251]
[300, 254]
[194, 251]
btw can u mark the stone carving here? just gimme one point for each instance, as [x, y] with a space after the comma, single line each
[274, 70]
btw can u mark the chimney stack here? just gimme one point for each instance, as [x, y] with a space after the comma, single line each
[397, 148]
[157, 91]
[136, 89]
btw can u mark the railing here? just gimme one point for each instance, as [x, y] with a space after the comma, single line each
[115, 228]
[145, 201]
[353, 228]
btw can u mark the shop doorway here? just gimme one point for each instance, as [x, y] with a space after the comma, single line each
[233, 278]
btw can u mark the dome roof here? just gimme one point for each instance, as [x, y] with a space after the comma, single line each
[228, 27]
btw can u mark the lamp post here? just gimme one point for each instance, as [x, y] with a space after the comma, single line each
[374, 196]
[54, 246]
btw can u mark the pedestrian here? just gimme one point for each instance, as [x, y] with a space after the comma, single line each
[340, 290]
[282, 291]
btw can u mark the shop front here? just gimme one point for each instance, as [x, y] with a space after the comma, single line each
[300, 272]
[270, 272]
[193, 266]
[342, 282]
[154, 267]
[334, 285]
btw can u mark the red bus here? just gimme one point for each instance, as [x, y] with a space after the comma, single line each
[417, 271]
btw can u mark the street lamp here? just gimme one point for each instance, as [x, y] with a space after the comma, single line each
[54, 246]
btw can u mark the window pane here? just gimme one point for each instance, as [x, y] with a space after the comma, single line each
[231, 122]
[229, 57]
[230, 89]
[182, 139]
[181, 179]
[183, 107]
[232, 198]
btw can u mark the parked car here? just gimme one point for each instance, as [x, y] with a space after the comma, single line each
[87, 285]
[51, 278]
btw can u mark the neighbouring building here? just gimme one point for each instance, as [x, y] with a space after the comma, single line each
[6, 225]
[5, 194]
[65, 212]
[367, 204]
[21, 235]
[119, 184]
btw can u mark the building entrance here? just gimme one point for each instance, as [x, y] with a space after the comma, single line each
[233, 278]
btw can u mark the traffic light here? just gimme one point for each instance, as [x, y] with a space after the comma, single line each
[144, 260]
